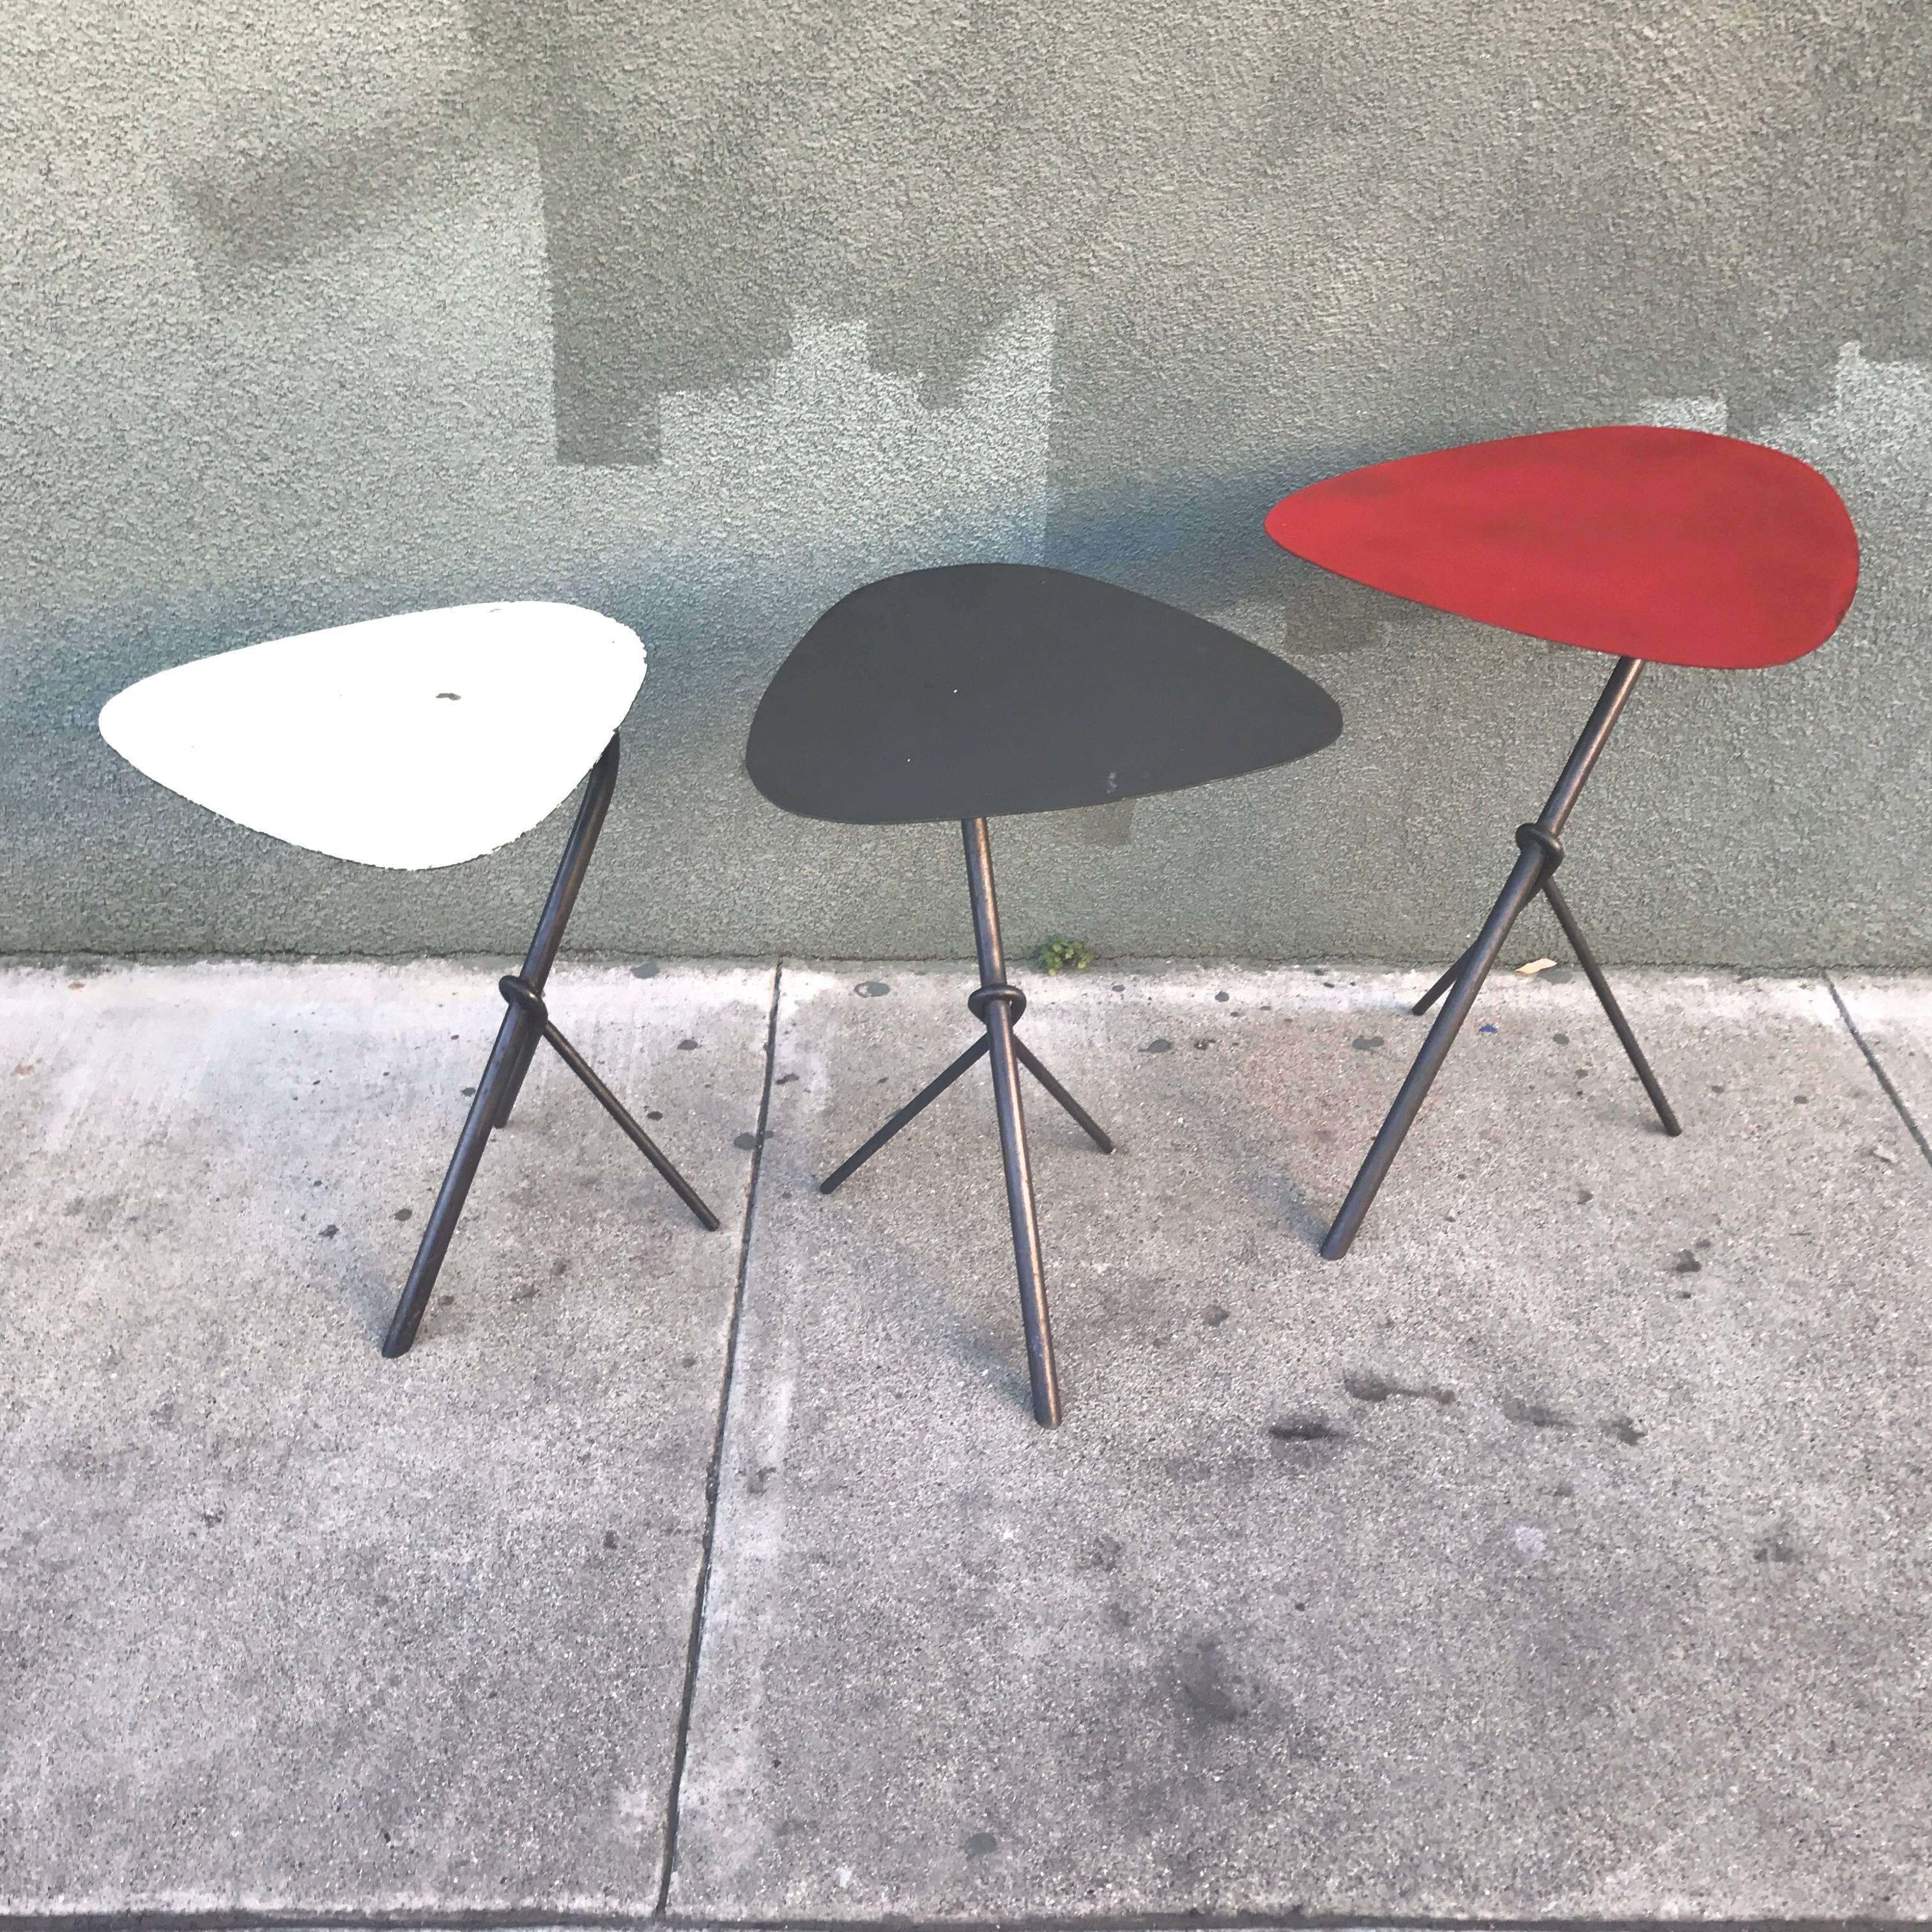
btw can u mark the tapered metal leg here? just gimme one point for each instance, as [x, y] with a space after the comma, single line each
[557, 909]
[1441, 986]
[1587, 959]
[1475, 969]
[526, 1023]
[520, 993]
[513, 1081]
[998, 1006]
[455, 1190]
[1525, 878]
[1031, 1269]
[911, 1112]
[1085, 1121]
[993, 1003]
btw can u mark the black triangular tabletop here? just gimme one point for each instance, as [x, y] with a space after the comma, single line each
[983, 689]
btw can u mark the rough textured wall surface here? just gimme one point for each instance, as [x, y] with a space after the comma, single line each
[702, 313]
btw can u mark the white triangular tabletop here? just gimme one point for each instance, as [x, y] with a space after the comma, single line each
[412, 741]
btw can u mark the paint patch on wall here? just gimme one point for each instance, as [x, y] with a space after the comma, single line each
[1104, 825]
[1873, 438]
[1712, 414]
[710, 171]
[830, 453]
[1282, 240]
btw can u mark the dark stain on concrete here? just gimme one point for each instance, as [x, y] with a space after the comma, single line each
[1625, 1431]
[745, 1143]
[645, 969]
[1213, 1314]
[1293, 1430]
[1158, 1046]
[1212, 1688]
[979, 1844]
[1534, 1414]
[1380, 1389]
[1777, 1545]
[1686, 1263]
[1366, 1042]
[872, 989]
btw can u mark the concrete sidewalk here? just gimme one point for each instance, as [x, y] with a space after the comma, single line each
[1562, 1555]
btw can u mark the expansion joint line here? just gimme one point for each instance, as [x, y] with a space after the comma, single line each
[1879, 1073]
[701, 1599]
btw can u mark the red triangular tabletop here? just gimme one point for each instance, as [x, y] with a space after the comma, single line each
[1665, 544]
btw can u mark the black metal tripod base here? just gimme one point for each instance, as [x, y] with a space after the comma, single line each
[927, 1094]
[998, 1006]
[1540, 851]
[527, 1022]
[1572, 932]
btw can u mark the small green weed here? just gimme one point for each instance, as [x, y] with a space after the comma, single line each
[1056, 953]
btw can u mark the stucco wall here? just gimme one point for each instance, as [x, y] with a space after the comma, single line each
[701, 314]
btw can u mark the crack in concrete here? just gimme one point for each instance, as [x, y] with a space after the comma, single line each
[1879, 1073]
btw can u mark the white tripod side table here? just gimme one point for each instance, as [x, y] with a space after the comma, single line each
[412, 742]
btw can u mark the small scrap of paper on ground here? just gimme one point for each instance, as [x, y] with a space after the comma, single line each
[1535, 966]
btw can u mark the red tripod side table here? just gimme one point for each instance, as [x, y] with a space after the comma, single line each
[1666, 545]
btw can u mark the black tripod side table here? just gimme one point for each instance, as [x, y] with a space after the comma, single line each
[979, 689]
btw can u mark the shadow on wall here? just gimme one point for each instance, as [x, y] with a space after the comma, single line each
[1356, 231]
[1212, 193]
[298, 204]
